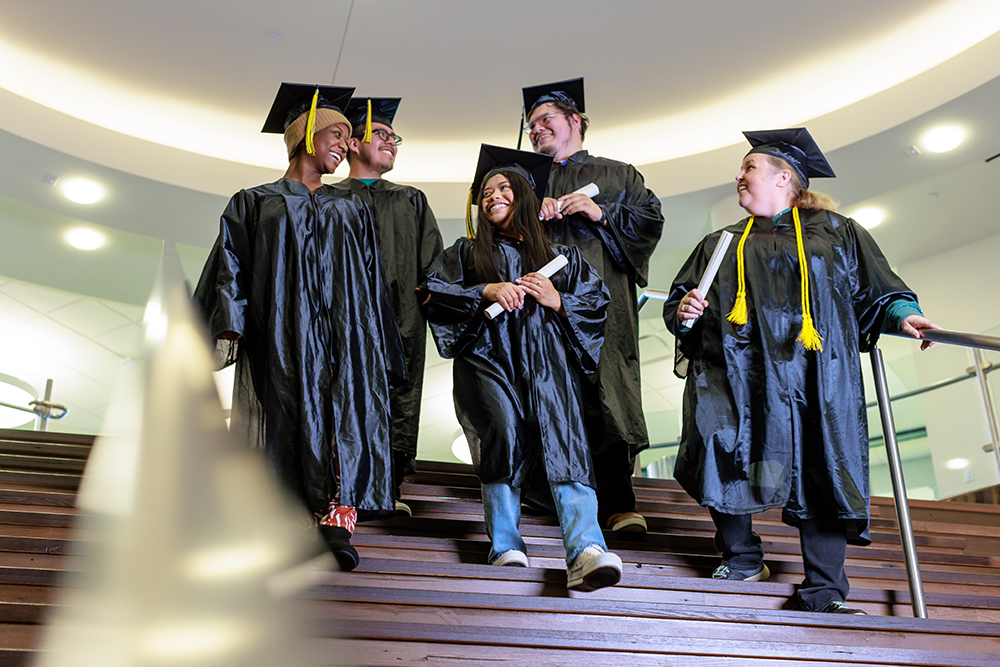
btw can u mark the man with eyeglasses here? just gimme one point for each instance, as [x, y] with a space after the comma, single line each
[409, 241]
[617, 231]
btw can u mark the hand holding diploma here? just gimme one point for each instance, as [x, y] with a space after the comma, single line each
[579, 201]
[506, 300]
[693, 304]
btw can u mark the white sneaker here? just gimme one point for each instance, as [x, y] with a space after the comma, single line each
[594, 568]
[512, 558]
[402, 509]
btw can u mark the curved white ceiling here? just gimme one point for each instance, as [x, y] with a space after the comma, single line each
[814, 64]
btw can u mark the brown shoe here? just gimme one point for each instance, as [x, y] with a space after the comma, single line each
[626, 522]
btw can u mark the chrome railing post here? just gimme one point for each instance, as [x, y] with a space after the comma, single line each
[43, 418]
[986, 396]
[898, 486]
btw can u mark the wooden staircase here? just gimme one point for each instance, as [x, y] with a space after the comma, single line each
[423, 595]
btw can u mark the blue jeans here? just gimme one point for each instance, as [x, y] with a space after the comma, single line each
[576, 506]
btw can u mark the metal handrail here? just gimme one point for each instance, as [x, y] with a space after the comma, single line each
[975, 341]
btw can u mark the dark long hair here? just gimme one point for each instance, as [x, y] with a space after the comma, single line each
[535, 250]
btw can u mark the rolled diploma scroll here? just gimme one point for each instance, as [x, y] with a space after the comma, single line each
[590, 189]
[713, 268]
[548, 271]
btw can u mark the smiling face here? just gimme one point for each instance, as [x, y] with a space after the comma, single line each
[378, 156]
[554, 133]
[763, 189]
[497, 202]
[331, 147]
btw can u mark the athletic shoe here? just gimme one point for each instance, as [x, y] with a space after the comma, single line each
[511, 558]
[402, 509]
[339, 541]
[594, 568]
[726, 572]
[838, 607]
[626, 522]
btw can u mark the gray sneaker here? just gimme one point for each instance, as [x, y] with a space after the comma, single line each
[594, 568]
[511, 558]
[726, 572]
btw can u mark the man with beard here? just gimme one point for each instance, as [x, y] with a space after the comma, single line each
[409, 241]
[616, 231]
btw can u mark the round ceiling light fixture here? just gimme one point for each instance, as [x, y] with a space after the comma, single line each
[15, 392]
[82, 238]
[82, 191]
[957, 464]
[943, 138]
[460, 448]
[869, 216]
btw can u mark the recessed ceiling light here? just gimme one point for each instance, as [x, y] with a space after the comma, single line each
[460, 448]
[82, 191]
[82, 238]
[943, 139]
[957, 464]
[869, 217]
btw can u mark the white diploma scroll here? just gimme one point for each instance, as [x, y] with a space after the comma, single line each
[548, 271]
[590, 189]
[713, 268]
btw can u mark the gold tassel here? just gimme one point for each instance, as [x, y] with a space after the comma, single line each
[738, 315]
[311, 125]
[809, 337]
[469, 231]
[368, 125]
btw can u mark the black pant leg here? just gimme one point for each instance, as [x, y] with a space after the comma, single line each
[613, 474]
[403, 464]
[824, 549]
[734, 537]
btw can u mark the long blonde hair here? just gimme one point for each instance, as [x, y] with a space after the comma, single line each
[805, 199]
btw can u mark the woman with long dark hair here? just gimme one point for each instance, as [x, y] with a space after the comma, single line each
[517, 376]
[774, 409]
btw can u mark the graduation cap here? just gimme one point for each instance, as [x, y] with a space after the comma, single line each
[568, 92]
[320, 105]
[532, 167]
[368, 110]
[796, 147]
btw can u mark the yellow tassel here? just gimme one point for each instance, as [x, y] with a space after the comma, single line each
[470, 232]
[809, 337]
[311, 125]
[738, 315]
[368, 125]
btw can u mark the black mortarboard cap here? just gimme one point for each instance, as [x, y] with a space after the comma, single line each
[294, 99]
[569, 92]
[383, 110]
[796, 147]
[532, 167]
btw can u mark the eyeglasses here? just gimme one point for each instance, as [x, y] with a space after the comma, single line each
[384, 136]
[544, 120]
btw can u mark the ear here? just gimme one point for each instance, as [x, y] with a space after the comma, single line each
[784, 178]
[354, 145]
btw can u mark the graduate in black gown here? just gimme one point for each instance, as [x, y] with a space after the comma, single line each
[616, 231]
[295, 293]
[409, 241]
[518, 377]
[774, 408]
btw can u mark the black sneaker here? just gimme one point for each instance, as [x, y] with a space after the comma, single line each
[726, 572]
[339, 541]
[838, 607]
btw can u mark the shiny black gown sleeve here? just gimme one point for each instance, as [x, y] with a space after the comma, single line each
[455, 295]
[634, 224]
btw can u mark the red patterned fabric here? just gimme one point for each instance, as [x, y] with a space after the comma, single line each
[340, 516]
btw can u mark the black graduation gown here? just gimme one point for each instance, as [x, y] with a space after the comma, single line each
[517, 377]
[297, 275]
[766, 422]
[409, 241]
[620, 253]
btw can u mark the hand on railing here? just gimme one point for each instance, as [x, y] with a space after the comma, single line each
[915, 325]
